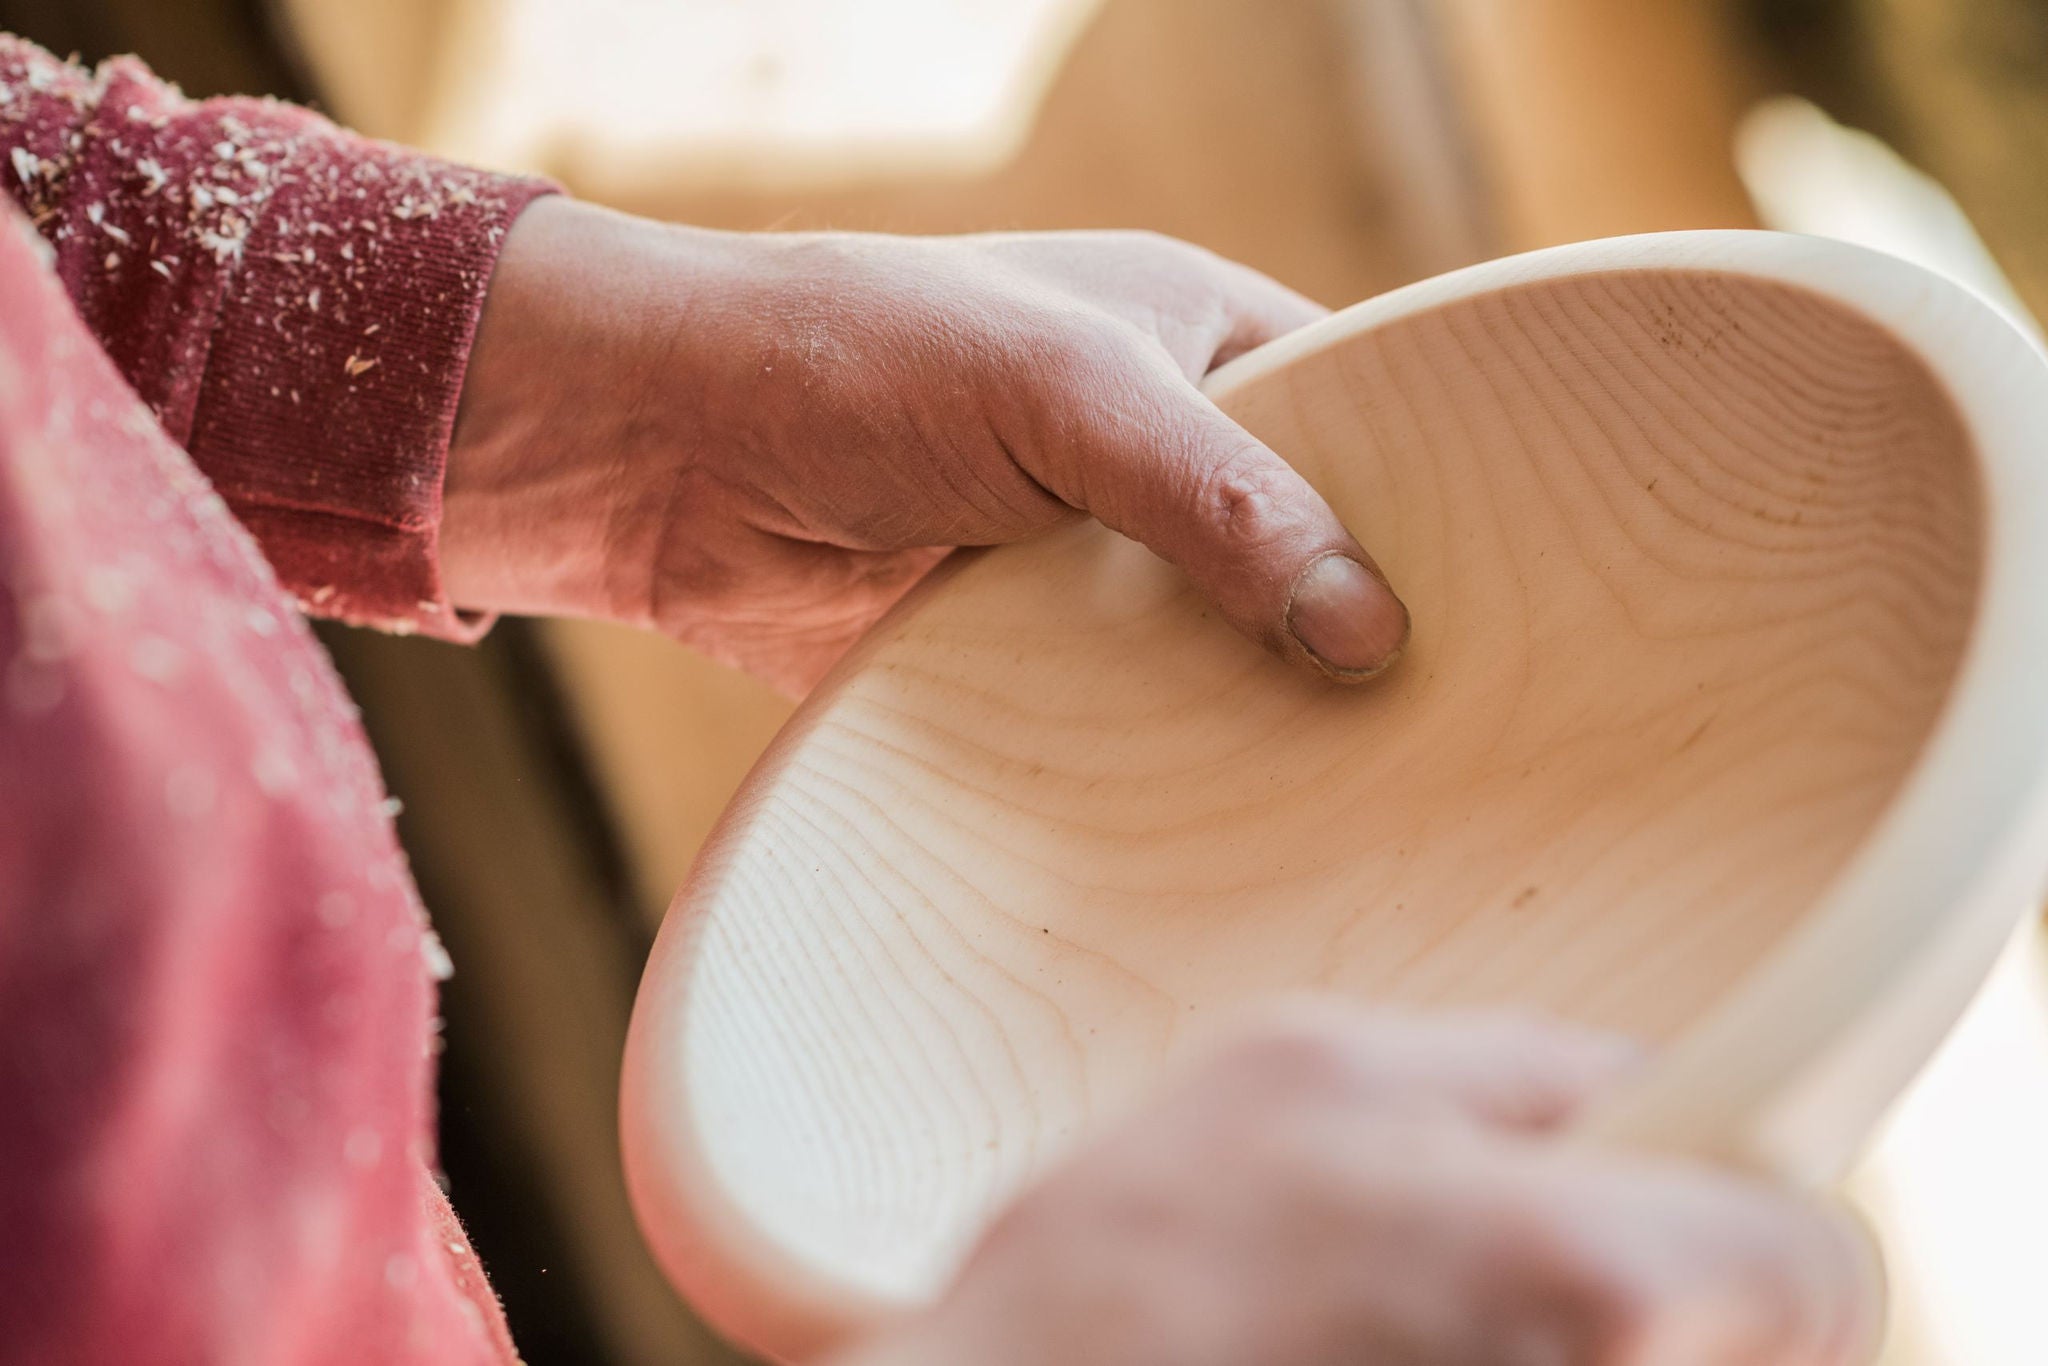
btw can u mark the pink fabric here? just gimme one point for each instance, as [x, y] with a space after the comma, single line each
[216, 994]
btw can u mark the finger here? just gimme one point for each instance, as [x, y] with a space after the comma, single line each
[1508, 1071]
[1204, 308]
[1159, 462]
[1660, 1264]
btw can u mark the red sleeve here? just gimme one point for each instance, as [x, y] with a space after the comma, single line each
[216, 981]
[295, 303]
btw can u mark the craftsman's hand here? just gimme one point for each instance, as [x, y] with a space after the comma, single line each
[1340, 1191]
[756, 442]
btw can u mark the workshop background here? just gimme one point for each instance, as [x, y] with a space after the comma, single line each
[558, 778]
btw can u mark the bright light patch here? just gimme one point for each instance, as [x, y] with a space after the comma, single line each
[754, 90]
[1959, 1184]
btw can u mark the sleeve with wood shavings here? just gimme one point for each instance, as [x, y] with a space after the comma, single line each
[295, 302]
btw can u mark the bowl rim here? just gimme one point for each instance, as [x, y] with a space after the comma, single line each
[1757, 1079]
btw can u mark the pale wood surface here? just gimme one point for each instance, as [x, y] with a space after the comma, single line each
[1592, 117]
[1694, 555]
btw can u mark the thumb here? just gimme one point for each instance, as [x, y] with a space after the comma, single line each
[1164, 466]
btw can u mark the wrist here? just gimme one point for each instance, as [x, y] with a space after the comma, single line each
[551, 502]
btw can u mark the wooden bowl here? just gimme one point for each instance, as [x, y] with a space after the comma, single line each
[1728, 558]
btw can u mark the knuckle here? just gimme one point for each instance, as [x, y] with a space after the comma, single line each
[1201, 268]
[1155, 242]
[1245, 496]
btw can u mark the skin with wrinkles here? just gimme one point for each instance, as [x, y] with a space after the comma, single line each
[756, 443]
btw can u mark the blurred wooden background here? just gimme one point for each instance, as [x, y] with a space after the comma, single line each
[558, 778]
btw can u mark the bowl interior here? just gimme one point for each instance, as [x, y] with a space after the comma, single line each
[1692, 558]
